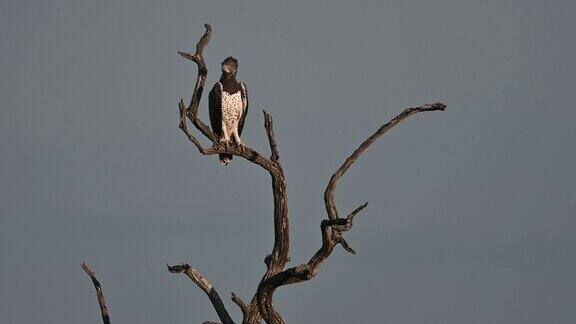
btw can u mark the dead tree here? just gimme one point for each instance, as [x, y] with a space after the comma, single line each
[261, 305]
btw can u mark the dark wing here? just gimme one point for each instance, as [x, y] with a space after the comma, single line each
[215, 109]
[244, 107]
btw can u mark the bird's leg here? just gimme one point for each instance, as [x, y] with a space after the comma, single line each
[225, 135]
[236, 137]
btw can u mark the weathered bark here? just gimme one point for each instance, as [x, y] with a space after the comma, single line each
[99, 293]
[261, 305]
[278, 258]
[207, 287]
[331, 228]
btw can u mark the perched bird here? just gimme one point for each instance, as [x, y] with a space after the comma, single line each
[228, 106]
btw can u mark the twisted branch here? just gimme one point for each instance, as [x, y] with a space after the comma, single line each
[331, 228]
[331, 187]
[277, 259]
[261, 306]
[99, 293]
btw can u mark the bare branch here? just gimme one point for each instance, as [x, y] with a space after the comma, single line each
[356, 211]
[279, 256]
[184, 127]
[241, 304]
[268, 124]
[331, 187]
[192, 113]
[198, 58]
[207, 287]
[99, 293]
[331, 228]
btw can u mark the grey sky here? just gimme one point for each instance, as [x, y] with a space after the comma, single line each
[472, 210]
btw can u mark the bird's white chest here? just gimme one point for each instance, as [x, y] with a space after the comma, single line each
[231, 108]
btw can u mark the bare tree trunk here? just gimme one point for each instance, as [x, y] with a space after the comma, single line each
[261, 305]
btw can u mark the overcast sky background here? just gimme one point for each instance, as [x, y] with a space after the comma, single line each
[472, 210]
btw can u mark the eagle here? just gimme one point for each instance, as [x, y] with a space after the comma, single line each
[228, 106]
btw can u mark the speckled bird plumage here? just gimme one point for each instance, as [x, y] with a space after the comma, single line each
[228, 106]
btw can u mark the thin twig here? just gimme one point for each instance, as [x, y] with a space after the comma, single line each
[241, 304]
[184, 127]
[268, 124]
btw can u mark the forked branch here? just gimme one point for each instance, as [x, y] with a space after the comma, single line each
[277, 259]
[331, 228]
[241, 304]
[331, 187]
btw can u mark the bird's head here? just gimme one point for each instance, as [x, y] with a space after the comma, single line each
[230, 66]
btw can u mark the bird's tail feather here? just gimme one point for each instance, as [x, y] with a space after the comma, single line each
[225, 158]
